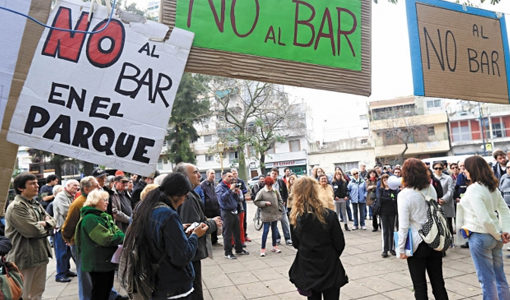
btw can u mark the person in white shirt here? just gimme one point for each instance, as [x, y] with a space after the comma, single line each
[483, 215]
[412, 215]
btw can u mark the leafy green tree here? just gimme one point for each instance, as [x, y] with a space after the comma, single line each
[190, 107]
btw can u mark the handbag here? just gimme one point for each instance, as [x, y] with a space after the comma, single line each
[11, 281]
[376, 208]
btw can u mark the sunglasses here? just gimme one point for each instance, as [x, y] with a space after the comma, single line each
[453, 168]
[438, 168]
[354, 173]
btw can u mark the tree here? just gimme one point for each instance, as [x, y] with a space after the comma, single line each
[254, 114]
[273, 123]
[402, 127]
[188, 109]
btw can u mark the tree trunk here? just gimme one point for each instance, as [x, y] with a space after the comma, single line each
[243, 170]
[87, 168]
[403, 153]
[262, 164]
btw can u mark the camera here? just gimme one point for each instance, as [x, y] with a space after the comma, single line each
[238, 185]
[192, 227]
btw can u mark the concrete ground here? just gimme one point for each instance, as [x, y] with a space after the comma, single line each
[253, 277]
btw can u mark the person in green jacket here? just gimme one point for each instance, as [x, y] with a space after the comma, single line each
[97, 238]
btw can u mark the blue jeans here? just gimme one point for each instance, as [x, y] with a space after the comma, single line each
[62, 256]
[488, 260]
[84, 281]
[361, 208]
[274, 229]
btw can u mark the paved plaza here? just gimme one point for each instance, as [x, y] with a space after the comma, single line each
[253, 277]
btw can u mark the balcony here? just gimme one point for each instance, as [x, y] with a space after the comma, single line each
[415, 120]
[414, 148]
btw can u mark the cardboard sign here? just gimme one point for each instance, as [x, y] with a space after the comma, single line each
[10, 41]
[308, 43]
[458, 52]
[104, 97]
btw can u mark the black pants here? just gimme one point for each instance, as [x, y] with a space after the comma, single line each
[231, 227]
[198, 292]
[388, 226]
[214, 234]
[330, 294]
[245, 222]
[102, 283]
[431, 261]
[450, 225]
[375, 225]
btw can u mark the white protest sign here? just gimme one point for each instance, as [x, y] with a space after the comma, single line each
[10, 41]
[105, 97]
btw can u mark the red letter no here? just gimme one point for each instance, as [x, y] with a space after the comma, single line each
[104, 48]
[67, 44]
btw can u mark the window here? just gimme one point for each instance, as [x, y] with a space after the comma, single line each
[208, 138]
[498, 130]
[348, 166]
[431, 131]
[433, 103]
[461, 134]
[364, 141]
[232, 156]
[209, 157]
[295, 146]
[363, 117]
[160, 163]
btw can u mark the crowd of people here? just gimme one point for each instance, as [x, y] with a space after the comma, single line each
[172, 222]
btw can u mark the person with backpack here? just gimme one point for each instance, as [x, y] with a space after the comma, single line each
[156, 261]
[484, 218]
[412, 216]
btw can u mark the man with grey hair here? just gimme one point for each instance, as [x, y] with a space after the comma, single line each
[363, 173]
[87, 185]
[212, 207]
[192, 210]
[62, 251]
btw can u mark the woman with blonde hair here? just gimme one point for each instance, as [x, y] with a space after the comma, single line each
[316, 233]
[326, 193]
[290, 185]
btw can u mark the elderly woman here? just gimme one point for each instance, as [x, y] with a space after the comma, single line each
[97, 238]
[358, 194]
[271, 206]
[159, 237]
[448, 187]
[484, 217]
[412, 215]
[316, 233]
[326, 193]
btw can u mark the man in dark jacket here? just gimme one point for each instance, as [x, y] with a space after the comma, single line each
[139, 186]
[228, 200]
[242, 196]
[499, 168]
[212, 207]
[281, 187]
[192, 210]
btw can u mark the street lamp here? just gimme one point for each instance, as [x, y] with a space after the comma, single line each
[221, 147]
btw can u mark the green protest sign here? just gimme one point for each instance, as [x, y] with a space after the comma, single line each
[320, 32]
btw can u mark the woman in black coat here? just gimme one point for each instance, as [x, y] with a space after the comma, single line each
[341, 196]
[317, 270]
[388, 201]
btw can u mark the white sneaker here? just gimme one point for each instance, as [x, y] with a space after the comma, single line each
[276, 250]
[262, 254]
[363, 228]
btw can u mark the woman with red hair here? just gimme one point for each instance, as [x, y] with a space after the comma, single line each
[271, 208]
[412, 215]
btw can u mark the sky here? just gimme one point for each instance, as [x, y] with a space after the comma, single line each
[391, 66]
